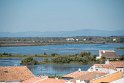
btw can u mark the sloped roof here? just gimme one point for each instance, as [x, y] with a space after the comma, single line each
[14, 73]
[117, 64]
[75, 74]
[32, 80]
[108, 78]
[51, 80]
[118, 81]
[109, 54]
[44, 80]
[107, 66]
[84, 75]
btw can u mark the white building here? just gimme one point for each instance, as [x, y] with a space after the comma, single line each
[108, 67]
[109, 54]
[70, 39]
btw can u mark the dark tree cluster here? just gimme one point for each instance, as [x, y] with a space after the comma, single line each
[29, 61]
[83, 57]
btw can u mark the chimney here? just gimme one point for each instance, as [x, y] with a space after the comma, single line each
[100, 53]
[56, 78]
[94, 68]
[103, 51]
[107, 62]
[78, 81]
[79, 69]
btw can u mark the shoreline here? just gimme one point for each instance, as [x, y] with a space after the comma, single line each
[19, 45]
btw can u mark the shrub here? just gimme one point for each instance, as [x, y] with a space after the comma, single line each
[29, 61]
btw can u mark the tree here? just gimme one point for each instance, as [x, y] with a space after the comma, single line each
[103, 59]
[122, 57]
[61, 59]
[54, 54]
[45, 53]
[46, 60]
[83, 54]
[29, 61]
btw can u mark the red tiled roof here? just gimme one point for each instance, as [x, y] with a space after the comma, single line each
[75, 74]
[109, 54]
[15, 73]
[32, 80]
[43, 80]
[108, 78]
[108, 66]
[51, 80]
[84, 75]
[117, 63]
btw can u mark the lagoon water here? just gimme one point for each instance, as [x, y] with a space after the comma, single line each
[63, 49]
[56, 69]
[45, 69]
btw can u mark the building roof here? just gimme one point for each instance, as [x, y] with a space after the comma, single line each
[103, 65]
[32, 80]
[107, 66]
[75, 74]
[84, 75]
[51, 80]
[14, 73]
[117, 64]
[118, 81]
[89, 76]
[109, 54]
[44, 80]
[108, 78]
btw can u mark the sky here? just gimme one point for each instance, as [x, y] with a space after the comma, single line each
[61, 15]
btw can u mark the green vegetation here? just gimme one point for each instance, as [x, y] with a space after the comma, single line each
[40, 41]
[29, 61]
[9, 55]
[82, 58]
[122, 57]
[40, 55]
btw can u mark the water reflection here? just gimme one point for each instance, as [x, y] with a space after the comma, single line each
[45, 69]
[56, 69]
[10, 61]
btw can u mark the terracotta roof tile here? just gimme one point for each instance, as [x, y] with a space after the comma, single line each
[43, 80]
[109, 54]
[117, 63]
[75, 74]
[51, 80]
[15, 73]
[108, 78]
[84, 75]
[107, 66]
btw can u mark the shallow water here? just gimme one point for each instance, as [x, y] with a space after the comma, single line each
[63, 49]
[56, 69]
[45, 69]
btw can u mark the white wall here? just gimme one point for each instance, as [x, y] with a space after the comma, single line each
[120, 69]
[101, 69]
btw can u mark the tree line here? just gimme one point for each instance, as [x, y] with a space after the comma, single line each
[82, 58]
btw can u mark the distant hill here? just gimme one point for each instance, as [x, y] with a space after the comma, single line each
[88, 32]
